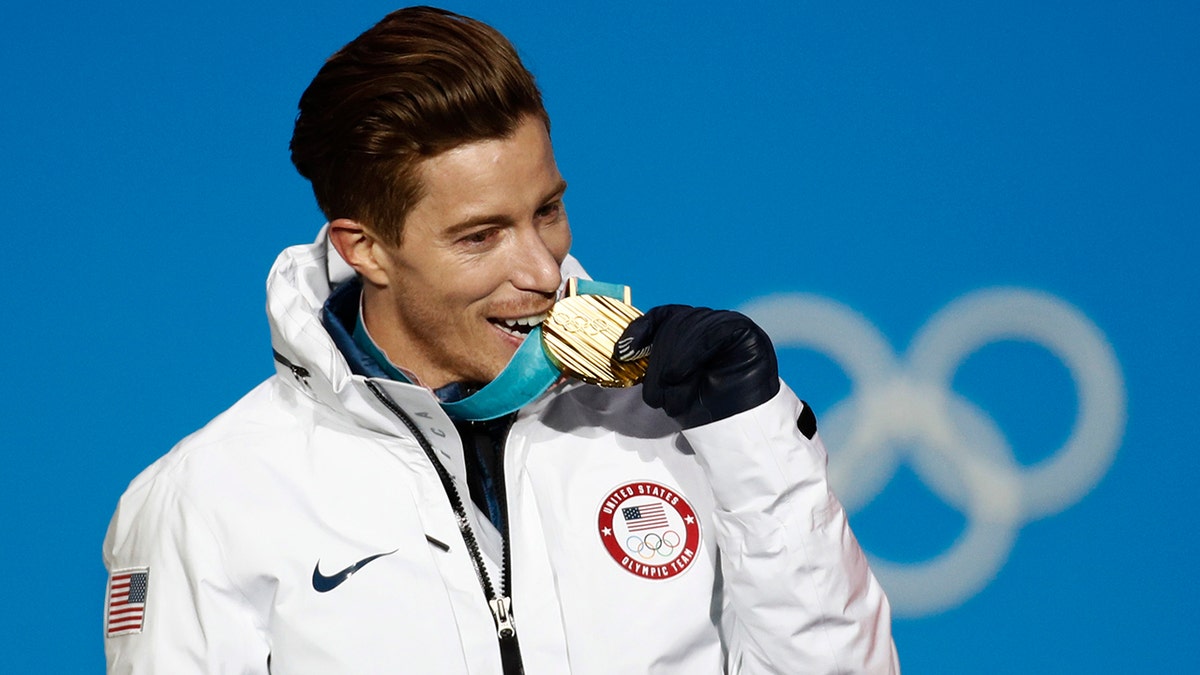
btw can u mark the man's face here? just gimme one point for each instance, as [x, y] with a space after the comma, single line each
[478, 262]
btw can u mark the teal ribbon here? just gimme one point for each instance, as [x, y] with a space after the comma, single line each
[589, 287]
[527, 376]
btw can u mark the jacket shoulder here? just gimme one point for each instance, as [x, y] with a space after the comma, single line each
[268, 420]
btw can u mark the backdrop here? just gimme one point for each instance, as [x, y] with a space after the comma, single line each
[969, 228]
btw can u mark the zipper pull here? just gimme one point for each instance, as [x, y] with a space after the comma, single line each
[502, 613]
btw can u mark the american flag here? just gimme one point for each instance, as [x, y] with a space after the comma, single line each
[127, 601]
[645, 517]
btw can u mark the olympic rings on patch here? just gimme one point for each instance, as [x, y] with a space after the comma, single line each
[903, 411]
[653, 544]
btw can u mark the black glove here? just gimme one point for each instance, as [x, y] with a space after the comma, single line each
[705, 365]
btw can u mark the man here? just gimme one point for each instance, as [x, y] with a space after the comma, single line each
[397, 498]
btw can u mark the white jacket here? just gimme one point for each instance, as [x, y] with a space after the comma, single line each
[311, 473]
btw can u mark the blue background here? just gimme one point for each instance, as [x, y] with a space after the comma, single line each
[891, 157]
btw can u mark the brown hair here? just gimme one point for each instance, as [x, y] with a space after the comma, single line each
[420, 82]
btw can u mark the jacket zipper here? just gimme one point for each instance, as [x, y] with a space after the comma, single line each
[506, 632]
[500, 604]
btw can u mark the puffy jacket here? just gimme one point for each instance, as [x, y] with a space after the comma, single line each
[323, 525]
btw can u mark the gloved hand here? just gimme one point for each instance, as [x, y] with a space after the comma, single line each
[704, 365]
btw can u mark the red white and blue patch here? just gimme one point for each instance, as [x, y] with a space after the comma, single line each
[125, 609]
[649, 529]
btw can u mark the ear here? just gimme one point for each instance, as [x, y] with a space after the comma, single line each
[361, 249]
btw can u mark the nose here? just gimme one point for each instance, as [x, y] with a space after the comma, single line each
[537, 266]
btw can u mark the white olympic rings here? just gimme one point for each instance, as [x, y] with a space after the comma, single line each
[905, 412]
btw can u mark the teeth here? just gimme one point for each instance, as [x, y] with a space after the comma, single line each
[534, 320]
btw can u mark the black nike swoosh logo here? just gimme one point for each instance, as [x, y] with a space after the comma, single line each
[324, 584]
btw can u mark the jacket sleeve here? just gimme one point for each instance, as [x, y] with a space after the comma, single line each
[798, 595]
[195, 619]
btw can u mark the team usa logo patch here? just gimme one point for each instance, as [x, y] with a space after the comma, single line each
[126, 606]
[649, 529]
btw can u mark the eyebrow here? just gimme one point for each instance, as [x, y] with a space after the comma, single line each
[501, 219]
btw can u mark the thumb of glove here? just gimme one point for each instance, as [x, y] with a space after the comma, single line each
[638, 338]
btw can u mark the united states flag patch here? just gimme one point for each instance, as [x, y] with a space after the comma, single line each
[126, 604]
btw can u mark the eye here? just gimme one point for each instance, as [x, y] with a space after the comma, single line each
[551, 211]
[479, 237]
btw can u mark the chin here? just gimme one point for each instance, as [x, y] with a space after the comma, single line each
[483, 373]
[498, 368]
[486, 361]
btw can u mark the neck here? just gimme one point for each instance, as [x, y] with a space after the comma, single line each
[376, 332]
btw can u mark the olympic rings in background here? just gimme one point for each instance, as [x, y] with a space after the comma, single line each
[904, 411]
[653, 544]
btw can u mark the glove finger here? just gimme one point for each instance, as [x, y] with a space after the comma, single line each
[636, 340]
[669, 362]
[690, 341]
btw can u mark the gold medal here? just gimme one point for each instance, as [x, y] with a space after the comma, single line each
[579, 335]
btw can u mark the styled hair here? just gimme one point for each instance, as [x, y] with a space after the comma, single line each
[420, 82]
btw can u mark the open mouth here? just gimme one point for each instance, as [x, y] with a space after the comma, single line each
[519, 327]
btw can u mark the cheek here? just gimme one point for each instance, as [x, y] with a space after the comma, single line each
[475, 282]
[559, 242]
